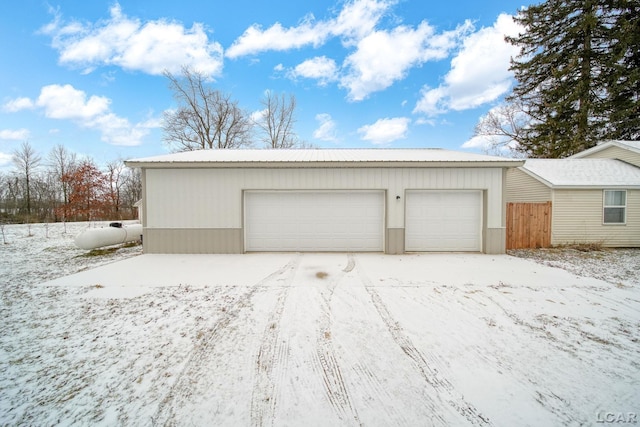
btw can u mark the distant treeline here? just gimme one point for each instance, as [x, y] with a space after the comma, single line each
[63, 187]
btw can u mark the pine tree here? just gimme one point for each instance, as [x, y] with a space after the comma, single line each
[568, 65]
[624, 73]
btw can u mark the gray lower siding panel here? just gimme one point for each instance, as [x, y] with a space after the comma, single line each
[230, 241]
[495, 241]
[193, 241]
[394, 241]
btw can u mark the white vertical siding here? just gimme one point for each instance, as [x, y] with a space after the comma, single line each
[525, 189]
[577, 218]
[212, 198]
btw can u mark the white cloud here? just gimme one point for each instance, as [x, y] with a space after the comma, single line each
[385, 131]
[258, 115]
[5, 159]
[150, 47]
[327, 129]
[17, 104]
[481, 142]
[479, 72]
[430, 101]
[14, 134]
[276, 37]
[495, 145]
[357, 18]
[64, 102]
[320, 68]
[119, 131]
[369, 68]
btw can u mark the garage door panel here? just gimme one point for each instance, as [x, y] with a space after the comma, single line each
[314, 220]
[443, 220]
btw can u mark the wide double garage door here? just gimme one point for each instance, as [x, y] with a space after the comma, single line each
[355, 221]
[314, 221]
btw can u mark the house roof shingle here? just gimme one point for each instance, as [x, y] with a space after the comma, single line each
[583, 173]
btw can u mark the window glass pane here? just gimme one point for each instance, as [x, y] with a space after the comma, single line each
[614, 215]
[615, 198]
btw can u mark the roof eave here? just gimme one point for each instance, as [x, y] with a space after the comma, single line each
[596, 187]
[327, 164]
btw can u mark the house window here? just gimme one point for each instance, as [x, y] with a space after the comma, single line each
[615, 206]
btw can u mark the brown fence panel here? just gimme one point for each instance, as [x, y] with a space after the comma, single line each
[528, 225]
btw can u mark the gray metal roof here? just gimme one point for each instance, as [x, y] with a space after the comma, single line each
[321, 157]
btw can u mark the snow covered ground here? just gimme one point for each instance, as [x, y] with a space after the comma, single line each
[316, 339]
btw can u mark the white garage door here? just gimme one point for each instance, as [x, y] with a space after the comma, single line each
[314, 220]
[443, 220]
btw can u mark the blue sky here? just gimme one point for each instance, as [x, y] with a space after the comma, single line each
[365, 73]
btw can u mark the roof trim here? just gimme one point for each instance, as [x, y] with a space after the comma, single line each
[328, 164]
[323, 158]
[596, 187]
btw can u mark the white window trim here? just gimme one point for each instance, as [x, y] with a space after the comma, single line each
[604, 206]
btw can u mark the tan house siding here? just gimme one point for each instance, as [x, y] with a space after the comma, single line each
[577, 218]
[616, 153]
[522, 188]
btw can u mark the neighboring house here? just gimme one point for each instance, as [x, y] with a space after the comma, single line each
[627, 151]
[138, 206]
[381, 200]
[593, 200]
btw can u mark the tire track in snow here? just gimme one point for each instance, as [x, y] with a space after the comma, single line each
[271, 354]
[183, 385]
[377, 391]
[424, 364]
[325, 361]
[396, 417]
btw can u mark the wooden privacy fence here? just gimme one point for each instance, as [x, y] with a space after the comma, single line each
[528, 225]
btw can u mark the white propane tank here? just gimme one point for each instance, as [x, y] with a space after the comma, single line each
[93, 238]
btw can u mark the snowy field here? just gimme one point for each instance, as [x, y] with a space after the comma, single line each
[545, 338]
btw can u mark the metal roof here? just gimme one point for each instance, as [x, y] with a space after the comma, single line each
[320, 157]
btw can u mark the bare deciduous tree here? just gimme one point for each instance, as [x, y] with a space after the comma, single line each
[26, 161]
[132, 188]
[503, 126]
[116, 178]
[277, 119]
[4, 238]
[205, 118]
[61, 162]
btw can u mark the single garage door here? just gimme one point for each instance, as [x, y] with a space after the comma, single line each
[314, 220]
[443, 220]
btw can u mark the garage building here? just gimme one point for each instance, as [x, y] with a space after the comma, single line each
[356, 200]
